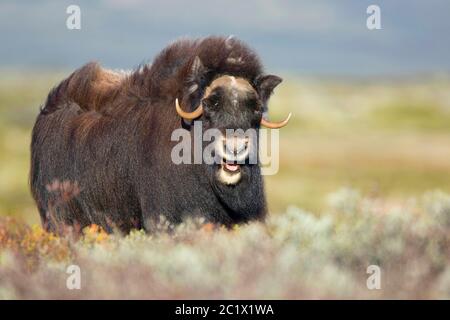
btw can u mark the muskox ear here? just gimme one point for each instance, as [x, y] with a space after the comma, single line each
[196, 76]
[265, 85]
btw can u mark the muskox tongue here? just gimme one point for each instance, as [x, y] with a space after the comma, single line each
[232, 167]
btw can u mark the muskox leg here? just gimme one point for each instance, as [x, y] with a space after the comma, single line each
[59, 218]
[45, 218]
[151, 216]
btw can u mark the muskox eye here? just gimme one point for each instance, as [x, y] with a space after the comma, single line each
[211, 102]
[253, 103]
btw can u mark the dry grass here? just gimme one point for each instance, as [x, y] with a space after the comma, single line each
[295, 255]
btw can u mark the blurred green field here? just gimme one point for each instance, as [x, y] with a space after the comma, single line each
[386, 138]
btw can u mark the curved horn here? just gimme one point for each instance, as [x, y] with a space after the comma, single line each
[188, 115]
[275, 125]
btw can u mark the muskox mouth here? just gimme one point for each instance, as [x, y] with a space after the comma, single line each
[231, 167]
[233, 152]
[229, 173]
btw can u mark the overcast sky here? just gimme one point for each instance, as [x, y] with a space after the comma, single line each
[300, 37]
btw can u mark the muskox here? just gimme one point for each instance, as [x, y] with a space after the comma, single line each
[101, 145]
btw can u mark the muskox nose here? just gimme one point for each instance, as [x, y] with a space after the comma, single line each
[236, 148]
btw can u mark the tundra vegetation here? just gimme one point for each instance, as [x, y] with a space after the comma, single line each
[364, 180]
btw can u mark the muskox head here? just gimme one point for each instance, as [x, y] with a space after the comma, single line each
[235, 107]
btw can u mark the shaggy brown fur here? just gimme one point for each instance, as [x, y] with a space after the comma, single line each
[108, 133]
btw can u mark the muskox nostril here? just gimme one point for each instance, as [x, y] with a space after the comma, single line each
[242, 146]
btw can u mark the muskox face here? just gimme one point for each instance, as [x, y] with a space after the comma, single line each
[234, 108]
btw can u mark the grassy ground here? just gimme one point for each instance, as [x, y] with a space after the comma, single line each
[387, 139]
[294, 255]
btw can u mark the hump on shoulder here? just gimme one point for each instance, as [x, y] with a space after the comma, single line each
[91, 87]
